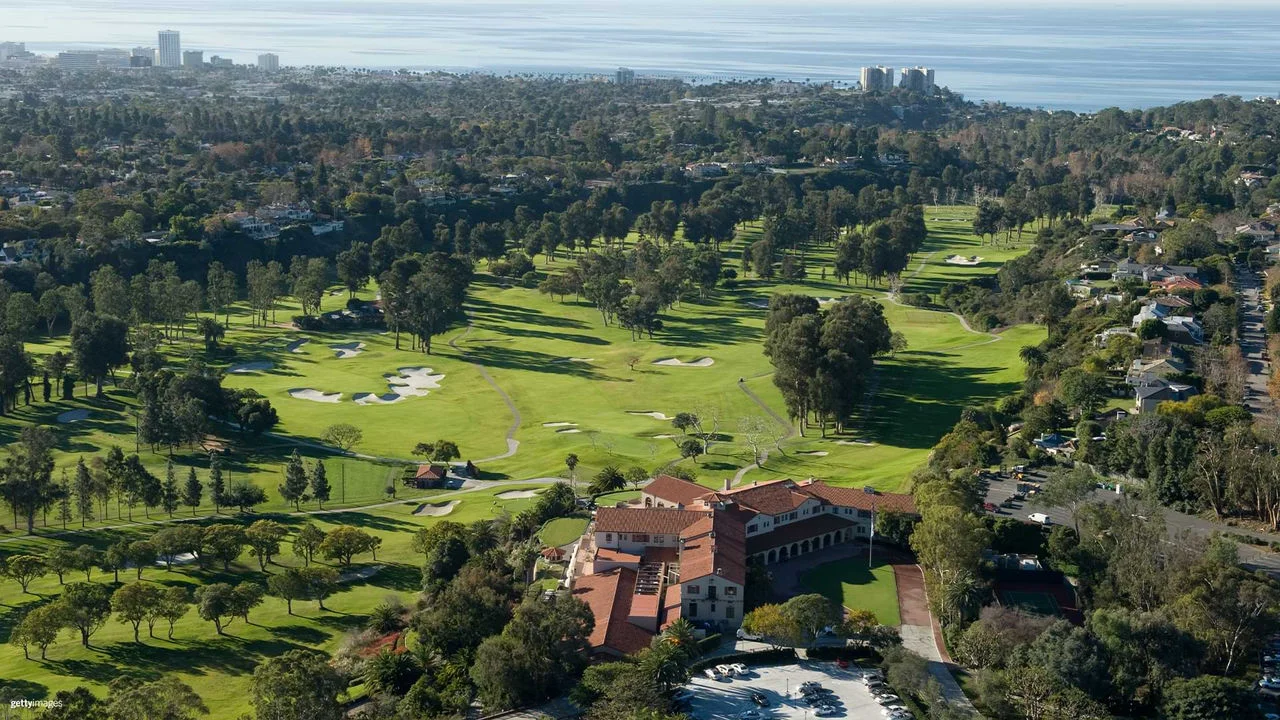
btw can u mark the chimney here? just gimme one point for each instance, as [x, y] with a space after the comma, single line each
[726, 484]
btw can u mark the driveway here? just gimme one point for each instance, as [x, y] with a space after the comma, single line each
[728, 699]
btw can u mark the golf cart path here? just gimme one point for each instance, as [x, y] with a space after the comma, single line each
[922, 635]
[512, 444]
[764, 457]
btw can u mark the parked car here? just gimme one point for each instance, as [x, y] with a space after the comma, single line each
[740, 669]
[725, 670]
[990, 507]
[744, 635]
[1008, 502]
[750, 715]
[826, 711]
[1270, 683]
[809, 684]
[1041, 518]
[888, 699]
[759, 698]
[712, 673]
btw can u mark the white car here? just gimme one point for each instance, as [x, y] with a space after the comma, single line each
[1270, 683]
[744, 635]
[750, 715]
[711, 673]
[888, 699]
[739, 669]
[725, 670]
[826, 711]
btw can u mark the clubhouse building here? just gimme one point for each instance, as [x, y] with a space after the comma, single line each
[683, 550]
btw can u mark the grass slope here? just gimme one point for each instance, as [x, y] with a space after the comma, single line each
[850, 583]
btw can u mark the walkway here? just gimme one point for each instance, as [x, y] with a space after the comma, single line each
[764, 457]
[922, 634]
[512, 444]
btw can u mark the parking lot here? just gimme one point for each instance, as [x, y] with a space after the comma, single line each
[728, 699]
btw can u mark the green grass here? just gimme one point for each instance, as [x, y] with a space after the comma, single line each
[855, 586]
[563, 531]
[1037, 602]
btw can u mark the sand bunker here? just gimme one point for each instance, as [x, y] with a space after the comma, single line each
[363, 573]
[347, 350]
[758, 304]
[649, 413]
[71, 416]
[859, 441]
[314, 395]
[413, 381]
[371, 399]
[185, 558]
[574, 359]
[296, 346]
[828, 300]
[559, 424]
[516, 494]
[251, 367]
[676, 362]
[664, 437]
[961, 260]
[435, 510]
[567, 431]
[815, 453]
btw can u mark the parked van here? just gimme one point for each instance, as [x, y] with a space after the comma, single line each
[1040, 518]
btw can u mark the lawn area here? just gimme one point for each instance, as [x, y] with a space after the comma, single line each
[851, 584]
[220, 668]
[563, 531]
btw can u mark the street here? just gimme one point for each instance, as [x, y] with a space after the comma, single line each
[1253, 340]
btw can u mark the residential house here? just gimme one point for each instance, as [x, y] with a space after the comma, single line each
[1142, 237]
[1149, 397]
[428, 477]
[1103, 338]
[1080, 288]
[1178, 282]
[1184, 329]
[1145, 373]
[1262, 232]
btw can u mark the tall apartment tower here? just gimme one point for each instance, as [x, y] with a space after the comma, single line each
[918, 79]
[269, 62]
[624, 76]
[170, 52]
[193, 58]
[877, 79]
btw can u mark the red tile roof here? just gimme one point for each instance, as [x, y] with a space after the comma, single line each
[796, 532]
[674, 490]
[715, 546]
[431, 472]
[858, 498]
[655, 521]
[770, 498]
[609, 594]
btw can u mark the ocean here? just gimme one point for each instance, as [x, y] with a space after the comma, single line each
[1037, 54]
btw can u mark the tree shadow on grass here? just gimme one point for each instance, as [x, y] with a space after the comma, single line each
[504, 314]
[396, 576]
[340, 621]
[21, 690]
[707, 331]
[300, 634]
[508, 358]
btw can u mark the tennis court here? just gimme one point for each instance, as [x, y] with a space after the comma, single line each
[1041, 603]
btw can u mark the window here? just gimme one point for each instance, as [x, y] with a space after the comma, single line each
[728, 611]
[639, 537]
[713, 609]
[731, 591]
[864, 513]
[608, 537]
[695, 590]
[693, 609]
[752, 528]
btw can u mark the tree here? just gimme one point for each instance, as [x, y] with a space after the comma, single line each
[1071, 489]
[61, 560]
[134, 602]
[165, 699]
[538, 653]
[294, 489]
[772, 624]
[82, 489]
[223, 542]
[245, 495]
[217, 490]
[99, 345]
[192, 491]
[289, 585]
[812, 613]
[345, 541]
[298, 685]
[169, 490]
[24, 569]
[141, 553]
[26, 479]
[39, 627]
[115, 559]
[391, 673]
[607, 480]
[263, 538]
[307, 542]
[343, 436]
[15, 371]
[319, 483]
[1228, 609]
[1206, 698]
[438, 451]
[174, 604]
[86, 560]
[217, 604]
[85, 607]
[321, 582]
[1085, 391]
[691, 448]
[571, 462]
[176, 540]
[245, 597]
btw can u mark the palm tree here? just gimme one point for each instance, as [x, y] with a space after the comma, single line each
[1032, 355]
[665, 665]
[213, 331]
[680, 634]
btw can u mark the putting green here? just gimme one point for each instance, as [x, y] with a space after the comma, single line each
[855, 586]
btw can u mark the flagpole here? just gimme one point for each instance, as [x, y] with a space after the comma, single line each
[872, 540]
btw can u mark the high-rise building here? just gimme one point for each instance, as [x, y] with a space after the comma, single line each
[877, 79]
[141, 61]
[143, 52]
[170, 52]
[918, 79]
[193, 58]
[268, 62]
[77, 60]
[221, 62]
[12, 49]
[624, 76]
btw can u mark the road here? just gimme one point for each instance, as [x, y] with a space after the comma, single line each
[1253, 340]
[1177, 523]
